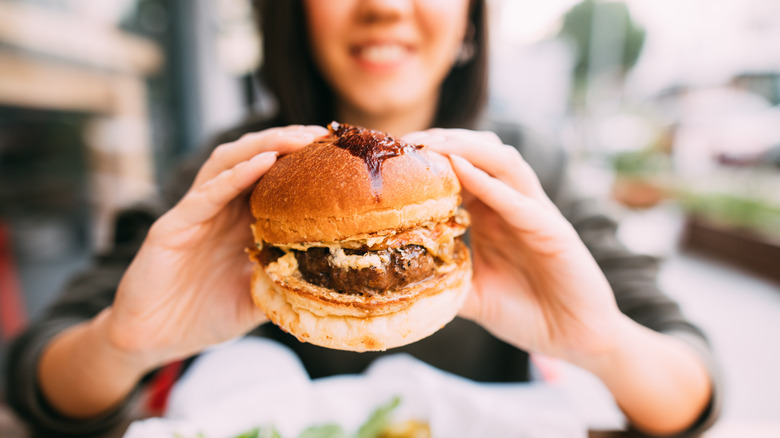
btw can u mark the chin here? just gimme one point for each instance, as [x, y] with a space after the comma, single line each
[358, 242]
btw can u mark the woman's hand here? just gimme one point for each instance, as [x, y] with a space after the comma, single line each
[188, 286]
[537, 287]
[535, 283]
[186, 289]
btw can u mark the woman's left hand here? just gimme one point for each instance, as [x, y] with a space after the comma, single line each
[535, 283]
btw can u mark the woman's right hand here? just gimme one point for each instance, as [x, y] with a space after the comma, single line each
[188, 286]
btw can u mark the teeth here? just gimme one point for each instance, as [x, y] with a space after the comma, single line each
[385, 53]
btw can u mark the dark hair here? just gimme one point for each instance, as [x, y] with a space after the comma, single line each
[302, 95]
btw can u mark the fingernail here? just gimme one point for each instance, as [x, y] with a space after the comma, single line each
[460, 161]
[436, 139]
[415, 137]
[266, 155]
[426, 139]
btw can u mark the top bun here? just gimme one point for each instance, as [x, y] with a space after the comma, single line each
[349, 183]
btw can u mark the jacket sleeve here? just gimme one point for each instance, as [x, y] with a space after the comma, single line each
[84, 296]
[89, 292]
[633, 277]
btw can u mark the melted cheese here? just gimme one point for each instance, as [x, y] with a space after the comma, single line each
[354, 243]
[340, 259]
[437, 237]
[285, 265]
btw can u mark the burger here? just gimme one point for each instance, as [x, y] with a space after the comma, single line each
[358, 241]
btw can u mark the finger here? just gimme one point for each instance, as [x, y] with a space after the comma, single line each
[486, 151]
[247, 309]
[471, 306]
[206, 201]
[520, 211]
[423, 137]
[283, 140]
[438, 134]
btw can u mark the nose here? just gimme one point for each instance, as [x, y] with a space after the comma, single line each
[379, 11]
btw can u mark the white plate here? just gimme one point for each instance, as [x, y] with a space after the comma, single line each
[256, 382]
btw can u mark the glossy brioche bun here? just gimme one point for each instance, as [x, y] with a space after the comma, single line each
[322, 193]
[330, 319]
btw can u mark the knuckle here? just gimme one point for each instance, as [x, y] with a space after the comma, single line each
[247, 136]
[511, 153]
[566, 228]
[491, 137]
[515, 202]
[219, 154]
[159, 228]
[231, 179]
[210, 194]
[229, 175]
[275, 136]
[255, 138]
[236, 172]
[290, 129]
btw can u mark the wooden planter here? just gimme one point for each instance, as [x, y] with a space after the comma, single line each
[747, 249]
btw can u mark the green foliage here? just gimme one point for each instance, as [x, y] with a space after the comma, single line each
[647, 161]
[373, 427]
[578, 26]
[736, 211]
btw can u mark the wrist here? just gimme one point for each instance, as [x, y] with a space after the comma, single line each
[605, 353]
[127, 356]
[82, 375]
[659, 382]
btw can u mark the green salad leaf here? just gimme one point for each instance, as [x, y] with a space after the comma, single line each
[260, 432]
[373, 427]
[324, 431]
[270, 432]
[254, 433]
[379, 420]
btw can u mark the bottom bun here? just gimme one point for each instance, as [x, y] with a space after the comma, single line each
[395, 318]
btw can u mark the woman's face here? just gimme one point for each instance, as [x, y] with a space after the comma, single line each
[385, 57]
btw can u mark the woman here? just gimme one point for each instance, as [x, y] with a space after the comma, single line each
[542, 283]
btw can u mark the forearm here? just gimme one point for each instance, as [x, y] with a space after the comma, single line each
[82, 375]
[660, 382]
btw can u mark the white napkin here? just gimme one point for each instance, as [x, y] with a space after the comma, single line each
[257, 382]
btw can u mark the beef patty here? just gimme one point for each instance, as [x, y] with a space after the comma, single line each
[398, 267]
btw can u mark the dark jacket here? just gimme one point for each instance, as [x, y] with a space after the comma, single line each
[461, 347]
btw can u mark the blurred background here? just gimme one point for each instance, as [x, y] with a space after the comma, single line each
[669, 110]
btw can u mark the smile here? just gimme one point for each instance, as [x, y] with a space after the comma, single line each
[382, 54]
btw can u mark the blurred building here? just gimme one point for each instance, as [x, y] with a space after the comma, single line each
[98, 101]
